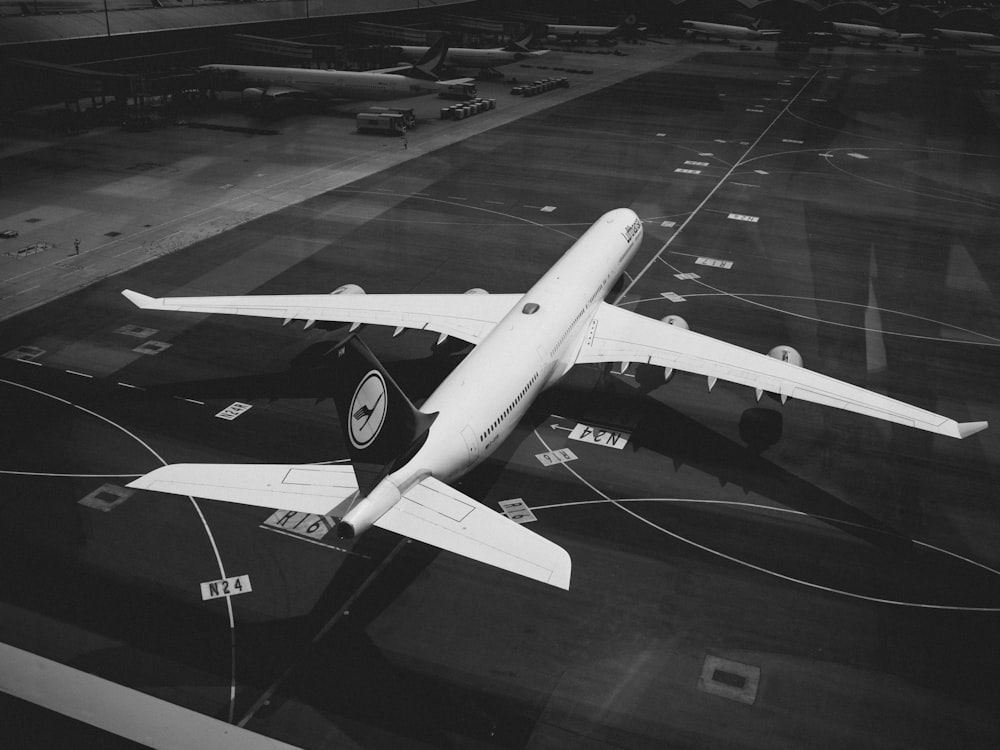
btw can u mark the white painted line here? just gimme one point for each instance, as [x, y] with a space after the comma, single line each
[706, 153]
[232, 586]
[686, 276]
[687, 171]
[668, 224]
[80, 374]
[118, 709]
[856, 155]
[826, 155]
[517, 510]
[719, 140]
[755, 111]
[129, 385]
[761, 171]
[495, 203]
[29, 289]
[30, 362]
[744, 217]
[792, 140]
[661, 135]
[744, 184]
[190, 400]
[714, 263]
[697, 163]
[547, 209]
[456, 198]
[672, 296]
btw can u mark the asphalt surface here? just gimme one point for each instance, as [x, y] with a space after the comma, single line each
[833, 583]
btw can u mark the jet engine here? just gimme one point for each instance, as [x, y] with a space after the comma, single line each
[673, 320]
[476, 290]
[348, 289]
[253, 95]
[785, 354]
[330, 326]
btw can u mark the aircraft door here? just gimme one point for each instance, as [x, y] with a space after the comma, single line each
[471, 443]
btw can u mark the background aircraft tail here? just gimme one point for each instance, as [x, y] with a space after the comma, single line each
[427, 65]
[381, 425]
[520, 45]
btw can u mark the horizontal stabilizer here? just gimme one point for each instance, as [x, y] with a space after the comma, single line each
[306, 488]
[437, 514]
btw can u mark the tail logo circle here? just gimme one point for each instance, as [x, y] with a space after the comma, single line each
[368, 410]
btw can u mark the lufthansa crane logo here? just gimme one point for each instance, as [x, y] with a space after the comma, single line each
[368, 409]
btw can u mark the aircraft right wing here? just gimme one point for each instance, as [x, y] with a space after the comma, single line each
[469, 317]
[437, 514]
[619, 335]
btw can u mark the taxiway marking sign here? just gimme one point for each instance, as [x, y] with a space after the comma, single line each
[517, 510]
[586, 433]
[225, 587]
[552, 458]
[233, 410]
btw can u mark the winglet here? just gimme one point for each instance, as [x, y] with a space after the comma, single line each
[971, 428]
[139, 300]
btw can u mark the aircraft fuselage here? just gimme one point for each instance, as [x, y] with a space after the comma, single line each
[533, 346]
[321, 84]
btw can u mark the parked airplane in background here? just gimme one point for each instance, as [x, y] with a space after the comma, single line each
[862, 32]
[970, 39]
[726, 31]
[270, 84]
[469, 57]
[404, 457]
[600, 34]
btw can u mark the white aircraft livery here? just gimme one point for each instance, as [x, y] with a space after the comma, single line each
[470, 57]
[269, 84]
[403, 458]
[726, 31]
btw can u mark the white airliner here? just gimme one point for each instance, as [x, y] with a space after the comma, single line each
[403, 458]
[863, 32]
[972, 39]
[470, 57]
[726, 31]
[270, 84]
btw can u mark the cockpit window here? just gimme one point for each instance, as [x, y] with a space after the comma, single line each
[530, 309]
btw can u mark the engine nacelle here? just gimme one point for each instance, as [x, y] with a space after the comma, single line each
[348, 289]
[673, 320]
[368, 510]
[786, 354]
[253, 95]
[475, 290]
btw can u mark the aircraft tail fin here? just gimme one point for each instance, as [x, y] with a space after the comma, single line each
[381, 425]
[427, 65]
[520, 45]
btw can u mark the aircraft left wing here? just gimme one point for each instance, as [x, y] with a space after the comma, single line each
[304, 488]
[469, 317]
[619, 335]
[437, 514]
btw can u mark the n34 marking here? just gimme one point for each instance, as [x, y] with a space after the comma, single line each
[585, 433]
[225, 587]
